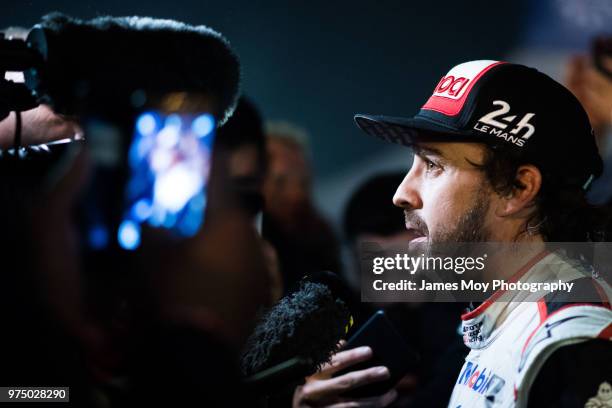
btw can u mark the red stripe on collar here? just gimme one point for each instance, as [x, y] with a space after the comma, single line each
[519, 274]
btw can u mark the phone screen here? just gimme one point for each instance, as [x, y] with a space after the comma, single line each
[169, 162]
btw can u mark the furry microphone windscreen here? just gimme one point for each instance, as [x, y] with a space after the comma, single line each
[112, 57]
[308, 324]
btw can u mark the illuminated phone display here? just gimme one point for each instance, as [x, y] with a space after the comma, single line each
[169, 165]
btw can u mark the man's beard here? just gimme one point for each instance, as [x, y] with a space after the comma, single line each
[470, 227]
[456, 239]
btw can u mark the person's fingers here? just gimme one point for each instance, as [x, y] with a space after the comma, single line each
[43, 125]
[298, 401]
[599, 107]
[375, 402]
[606, 62]
[597, 81]
[347, 358]
[593, 89]
[573, 71]
[325, 389]
[388, 398]
[600, 102]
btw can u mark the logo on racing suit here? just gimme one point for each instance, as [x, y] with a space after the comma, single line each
[472, 333]
[480, 380]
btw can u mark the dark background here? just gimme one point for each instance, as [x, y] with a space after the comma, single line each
[316, 63]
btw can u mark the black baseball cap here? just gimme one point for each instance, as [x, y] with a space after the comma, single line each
[502, 104]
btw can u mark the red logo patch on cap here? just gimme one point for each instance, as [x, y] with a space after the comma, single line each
[453, 89]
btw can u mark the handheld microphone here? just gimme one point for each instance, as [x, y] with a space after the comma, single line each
[299, 334]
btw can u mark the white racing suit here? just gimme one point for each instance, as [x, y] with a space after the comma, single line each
[511, 340]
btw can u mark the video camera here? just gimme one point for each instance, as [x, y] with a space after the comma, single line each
[149, 94]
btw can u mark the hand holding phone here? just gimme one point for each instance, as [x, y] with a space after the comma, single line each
[324, 388]
[389, 350]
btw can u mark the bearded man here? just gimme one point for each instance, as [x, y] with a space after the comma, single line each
[503, 154]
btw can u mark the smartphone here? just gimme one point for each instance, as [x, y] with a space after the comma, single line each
[169, 164]
[157, 177]
[389, 349]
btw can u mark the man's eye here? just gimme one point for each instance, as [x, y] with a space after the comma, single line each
[431, 166]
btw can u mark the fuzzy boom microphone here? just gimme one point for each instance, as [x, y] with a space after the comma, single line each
[299, 334]
[93, 66]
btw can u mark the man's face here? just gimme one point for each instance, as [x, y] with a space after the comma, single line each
[444, 196]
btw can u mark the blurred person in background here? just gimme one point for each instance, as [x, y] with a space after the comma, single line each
[589, 77]
[304, 240]
[369, 216]
[242, 142]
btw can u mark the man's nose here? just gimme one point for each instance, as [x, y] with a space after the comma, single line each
[407, 193]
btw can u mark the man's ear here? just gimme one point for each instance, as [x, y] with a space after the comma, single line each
[527, 185]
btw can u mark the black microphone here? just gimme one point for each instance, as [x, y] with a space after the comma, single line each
[299, 334]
